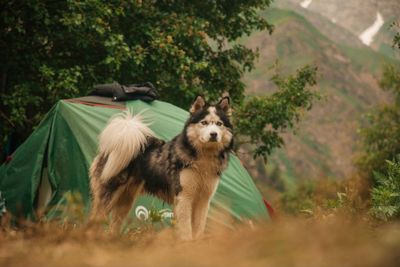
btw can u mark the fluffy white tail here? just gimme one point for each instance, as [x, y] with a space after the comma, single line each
[122, 140]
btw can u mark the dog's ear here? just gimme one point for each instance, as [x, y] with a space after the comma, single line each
[198, 104]
[225, 105]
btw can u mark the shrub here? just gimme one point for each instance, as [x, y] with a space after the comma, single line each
[386, 193]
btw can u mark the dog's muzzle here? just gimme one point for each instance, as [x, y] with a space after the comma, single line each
[213, 137]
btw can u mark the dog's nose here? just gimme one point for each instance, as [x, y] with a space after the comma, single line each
[213, 136]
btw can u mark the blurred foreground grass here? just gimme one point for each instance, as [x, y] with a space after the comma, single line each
[333, 240]
[323, 223]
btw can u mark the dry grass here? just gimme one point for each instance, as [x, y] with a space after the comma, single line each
[328, 241]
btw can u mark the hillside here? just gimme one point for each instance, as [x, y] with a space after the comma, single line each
[325, 140]
[354, 17]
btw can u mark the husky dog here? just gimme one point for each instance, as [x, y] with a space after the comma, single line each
[183, 172]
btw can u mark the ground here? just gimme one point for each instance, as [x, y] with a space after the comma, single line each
[291, 241]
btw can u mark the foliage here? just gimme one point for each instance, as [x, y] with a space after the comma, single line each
[380, 140]
[396, 38]
[261, 119]
[70, 209]
[325, 197]
[300, 200]
[391, 82]
[58, 49]
[386, 193]
[381, 145]
[381, 134]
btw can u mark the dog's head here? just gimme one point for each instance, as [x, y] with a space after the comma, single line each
[209, 126]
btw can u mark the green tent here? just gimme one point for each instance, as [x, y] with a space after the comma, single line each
[53, 162]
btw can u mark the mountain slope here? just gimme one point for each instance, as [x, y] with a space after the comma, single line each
[326, 138]
[354, 16]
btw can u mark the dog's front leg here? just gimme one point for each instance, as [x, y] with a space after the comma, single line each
[202, 205]
[183, 215]
[184, 203]
[200, 211]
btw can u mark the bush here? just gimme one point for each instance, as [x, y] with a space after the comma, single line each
[381, 133]
[299, 200]
[386, 193]
[325, 197]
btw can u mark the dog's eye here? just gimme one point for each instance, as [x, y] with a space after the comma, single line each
[219, 123]
[204, 123]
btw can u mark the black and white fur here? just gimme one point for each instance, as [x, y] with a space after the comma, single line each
[183, 172]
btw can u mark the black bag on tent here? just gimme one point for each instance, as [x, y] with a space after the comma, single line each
[146, 91]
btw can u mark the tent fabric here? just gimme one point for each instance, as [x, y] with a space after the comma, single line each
[63, 146]
[98, 101]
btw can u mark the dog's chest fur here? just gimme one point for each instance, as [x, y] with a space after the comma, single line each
[202, 175]
[168, 168]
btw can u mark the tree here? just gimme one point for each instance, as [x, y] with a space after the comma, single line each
[379, 160]
[381, 134]
[58, 49]
[261, 120]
